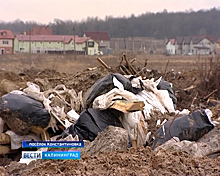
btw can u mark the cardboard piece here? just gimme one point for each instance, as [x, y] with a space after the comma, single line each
[126, 107]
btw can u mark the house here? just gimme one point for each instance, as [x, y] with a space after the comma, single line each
[202, 45]
[102, 38]
[170, 46]
[194, 45]
[218, 46]
[6, 42]
[55, 44]
[42, 30]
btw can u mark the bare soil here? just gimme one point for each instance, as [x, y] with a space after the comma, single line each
[76, 72]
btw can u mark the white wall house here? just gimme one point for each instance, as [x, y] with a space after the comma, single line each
[170, 46]
[194, 45]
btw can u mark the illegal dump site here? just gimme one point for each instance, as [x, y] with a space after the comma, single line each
[133, 120]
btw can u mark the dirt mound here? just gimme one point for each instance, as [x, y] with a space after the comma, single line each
[140, 161]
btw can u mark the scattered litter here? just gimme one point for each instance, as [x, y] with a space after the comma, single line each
[117, 112]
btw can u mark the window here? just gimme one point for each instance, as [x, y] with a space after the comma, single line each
[7, 51]
[4, 33]
[49, 42]
[5, 42]
[91, 44]
[58, 42]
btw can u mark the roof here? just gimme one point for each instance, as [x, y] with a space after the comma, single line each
[198, 38]
[179, 40]
[172, 41]
[6, 34]
[97, 35]
[187, 40]
[195, 39]
[52, 38]
[42, 30]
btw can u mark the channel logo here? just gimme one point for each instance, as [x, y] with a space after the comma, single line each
[52, 144]
[31, 154]
[51, 155]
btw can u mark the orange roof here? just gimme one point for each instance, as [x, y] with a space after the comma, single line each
[6, 34]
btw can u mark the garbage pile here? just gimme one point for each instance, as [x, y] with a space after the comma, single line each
[127, 101]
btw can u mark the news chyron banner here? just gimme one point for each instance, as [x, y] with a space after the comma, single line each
[52, 154]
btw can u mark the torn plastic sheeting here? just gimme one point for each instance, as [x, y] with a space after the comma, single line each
[151, 102]
[106, 100]
[91, 121]
[164, 85]
[16, 140]
[161, 95]
[25, 108]
[136, 126]
[106, 84]
[189, 127]
[161, 98]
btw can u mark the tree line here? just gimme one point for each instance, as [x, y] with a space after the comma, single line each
[161, 25]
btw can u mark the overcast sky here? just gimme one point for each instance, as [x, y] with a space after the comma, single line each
[45, 11]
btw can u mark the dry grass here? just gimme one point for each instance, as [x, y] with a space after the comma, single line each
[72, 64]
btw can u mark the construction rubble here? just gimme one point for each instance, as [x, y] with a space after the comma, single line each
[122, 110]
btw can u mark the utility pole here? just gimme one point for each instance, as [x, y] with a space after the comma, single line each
[74, 33]
[22, 44]
[63, 45]
[30, 43]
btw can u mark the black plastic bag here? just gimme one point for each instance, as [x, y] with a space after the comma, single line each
[17, 110]
[164, 85]
[106, 84]
[91, 121]
[189, 127]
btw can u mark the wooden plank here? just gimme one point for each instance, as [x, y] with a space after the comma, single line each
[127, 107]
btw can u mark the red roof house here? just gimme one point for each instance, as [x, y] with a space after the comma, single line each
[6, 42]
[101, 37]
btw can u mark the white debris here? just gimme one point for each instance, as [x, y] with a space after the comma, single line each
[72, 115]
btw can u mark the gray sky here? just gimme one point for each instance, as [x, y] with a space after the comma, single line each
[45, 11]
